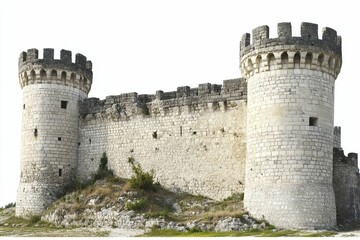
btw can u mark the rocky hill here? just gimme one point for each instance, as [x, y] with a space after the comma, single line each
[116, 204]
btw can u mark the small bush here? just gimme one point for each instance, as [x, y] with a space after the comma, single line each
[140, 179]
[163, 213]
[103, 172]
[194, 230]
[235, 197]
[34, 219]
[9, 205]
[137, 205]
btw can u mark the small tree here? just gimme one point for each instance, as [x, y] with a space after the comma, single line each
[140, 179]
[103, 170]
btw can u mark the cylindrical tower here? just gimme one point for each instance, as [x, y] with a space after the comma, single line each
[290, 122]
[52, 90]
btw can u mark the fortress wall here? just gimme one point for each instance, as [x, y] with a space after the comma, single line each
[197, 147]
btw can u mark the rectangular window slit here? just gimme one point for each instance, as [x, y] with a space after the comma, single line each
[313, 121]
[59, 138]
[60, 172]
[64, 104]
[23, 106]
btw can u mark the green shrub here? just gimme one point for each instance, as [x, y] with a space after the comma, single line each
[194, 230]
[140, 179]
[137, 205]
[10, 205]
[163, 213]
[34, 219]
[235, 197]
[103, 171]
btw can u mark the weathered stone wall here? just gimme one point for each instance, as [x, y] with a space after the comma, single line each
[52, 90]
[195, 141]
[49, 144]
[346, 186]
[290, 127]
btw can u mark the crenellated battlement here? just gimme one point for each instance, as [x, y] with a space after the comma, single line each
[290, 52]
[144, 104]
[60, 71]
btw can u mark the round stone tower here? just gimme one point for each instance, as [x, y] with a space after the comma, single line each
[52, 91]
[290, 122]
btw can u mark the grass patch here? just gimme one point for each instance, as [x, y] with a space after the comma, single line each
[137, 205]
[50, 232]
[34, 220]
[320, 234]
[247, 233]
[254, 232]
[165, 213]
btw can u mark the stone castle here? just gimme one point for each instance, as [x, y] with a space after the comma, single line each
[269, 134]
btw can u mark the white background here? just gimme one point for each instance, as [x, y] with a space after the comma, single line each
[143, 46]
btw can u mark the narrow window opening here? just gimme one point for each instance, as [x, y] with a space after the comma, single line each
[64, 104]
[72, 77]
[42, 74]
[23, 106]
[53, 74]
[59, 138]
[60, 172]
[180, 131]
[284, 58]
[313, 121]
[32, 75]
[308, 58]
[194, 133]
[35, 132]
[90, 141]
[297, 59]
[63, 76]
[271, 61]
[321, 59]
[154, 135]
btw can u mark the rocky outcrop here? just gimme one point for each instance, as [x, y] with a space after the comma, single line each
[110, 217]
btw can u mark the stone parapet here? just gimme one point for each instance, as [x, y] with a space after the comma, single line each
[233, 89]
[288, 52]
[60, 71]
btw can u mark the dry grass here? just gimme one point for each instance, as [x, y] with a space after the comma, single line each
[127, 187]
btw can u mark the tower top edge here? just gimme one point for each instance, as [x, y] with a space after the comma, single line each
[30, 59]
[330, 41]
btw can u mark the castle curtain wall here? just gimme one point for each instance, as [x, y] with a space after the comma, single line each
[194, 142]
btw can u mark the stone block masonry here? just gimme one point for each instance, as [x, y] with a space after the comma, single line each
[52, 90]
[270, 134]
[194, 140]
[290, 120]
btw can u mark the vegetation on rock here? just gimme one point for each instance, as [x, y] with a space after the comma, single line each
[141, 179]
